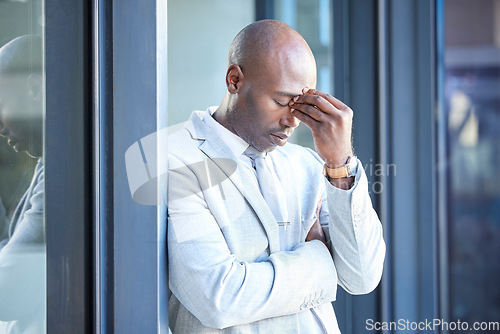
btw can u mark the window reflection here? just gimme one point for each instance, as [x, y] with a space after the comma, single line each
[472, 60]
[22, 239]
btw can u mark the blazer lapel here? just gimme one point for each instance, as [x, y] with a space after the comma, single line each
[219, 153]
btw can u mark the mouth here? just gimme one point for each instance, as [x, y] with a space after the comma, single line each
[15, 145]
[279, 139]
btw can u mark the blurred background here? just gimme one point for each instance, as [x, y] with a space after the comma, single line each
[423, 79]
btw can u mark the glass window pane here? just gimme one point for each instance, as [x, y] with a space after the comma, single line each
[312, 19]
[199, 35]
[472, 98]
[22, 240]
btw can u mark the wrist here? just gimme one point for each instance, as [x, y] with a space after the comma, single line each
[339, 161]
[342, 177]
[348, 169]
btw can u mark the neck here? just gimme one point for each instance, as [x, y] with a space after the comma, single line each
[221, 115]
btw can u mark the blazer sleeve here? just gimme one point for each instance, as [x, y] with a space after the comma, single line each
[222, 291]
[22, 261]
[4, 226]
[356, 237]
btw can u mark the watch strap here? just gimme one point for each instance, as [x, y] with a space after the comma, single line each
[337, 173]
[340, 172]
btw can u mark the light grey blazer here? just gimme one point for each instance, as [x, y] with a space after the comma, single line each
[226, 271]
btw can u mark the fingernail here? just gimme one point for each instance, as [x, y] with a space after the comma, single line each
[296, 98]
[304, 90]
[292, 110]
[291, 103]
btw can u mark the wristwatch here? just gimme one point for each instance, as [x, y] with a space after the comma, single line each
[348, 170]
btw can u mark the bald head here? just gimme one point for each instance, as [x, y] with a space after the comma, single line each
[22, 55]
[21, 94]
[265, 40]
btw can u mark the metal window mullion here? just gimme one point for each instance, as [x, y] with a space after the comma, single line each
[441, 174]
[102, 168]
[161, 123]
[384, 152]
[96, 170]
[67, 167]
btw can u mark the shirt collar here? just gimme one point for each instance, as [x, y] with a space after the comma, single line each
[235, 143]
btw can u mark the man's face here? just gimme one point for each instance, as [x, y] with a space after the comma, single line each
[20, 116]
[262, 116]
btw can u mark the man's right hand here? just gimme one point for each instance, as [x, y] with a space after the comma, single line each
[316, 232]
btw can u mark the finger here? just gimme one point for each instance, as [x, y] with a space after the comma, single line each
[309, 110]
[318, 101]
[310, 122]
[333, 100]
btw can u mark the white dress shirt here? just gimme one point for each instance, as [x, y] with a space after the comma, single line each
[237, 146]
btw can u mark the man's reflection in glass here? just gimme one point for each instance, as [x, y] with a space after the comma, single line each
[22, 239]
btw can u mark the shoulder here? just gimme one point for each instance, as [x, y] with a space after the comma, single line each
[179, 140]
[183, 141]
[182, 149]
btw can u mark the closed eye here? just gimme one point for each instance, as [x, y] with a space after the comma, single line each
[280, 104]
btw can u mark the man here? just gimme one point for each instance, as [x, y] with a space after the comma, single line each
[22, 238]
[258, 237]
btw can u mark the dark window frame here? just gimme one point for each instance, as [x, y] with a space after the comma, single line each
[68, 166]
[96, 277]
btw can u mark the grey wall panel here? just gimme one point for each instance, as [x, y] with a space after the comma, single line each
[67, 167]
[427, 166]
[412, 101]
[134, 116]
[403, 115]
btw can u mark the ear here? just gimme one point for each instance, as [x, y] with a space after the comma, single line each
[35, 86]
[234, 79]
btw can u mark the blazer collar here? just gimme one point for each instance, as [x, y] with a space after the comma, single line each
[218, 152]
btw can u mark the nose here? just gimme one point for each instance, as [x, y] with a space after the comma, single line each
[289, 120]
[4, 132]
